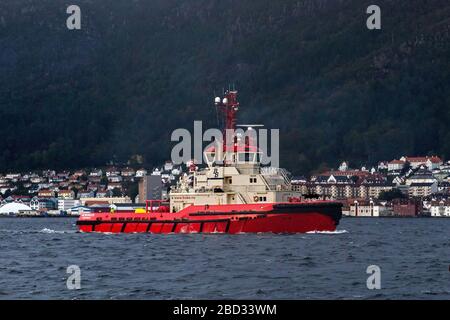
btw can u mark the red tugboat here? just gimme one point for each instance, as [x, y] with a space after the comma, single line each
[233, 194]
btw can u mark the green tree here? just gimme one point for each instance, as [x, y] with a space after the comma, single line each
[116, 192]
[132, 190]
[104, 180]
[391, 195]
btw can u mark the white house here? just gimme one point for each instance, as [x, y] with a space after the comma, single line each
[440, 208]
[343, 166]
[141, 173]
[115, 178]
[112, 171]
[96, 173]
[13, 176]
[431, 162]
[382, 166]
[366, 209]
[128, 172]
[77, 210]
[395, 165]
[168, 166]
[14, 208]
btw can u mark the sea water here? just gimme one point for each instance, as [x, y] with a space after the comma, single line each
[413, 256]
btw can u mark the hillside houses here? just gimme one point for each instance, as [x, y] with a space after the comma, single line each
[344, 184]
[418, 182]
[413, 178]
[51, 190]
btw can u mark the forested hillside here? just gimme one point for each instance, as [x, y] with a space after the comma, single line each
[139, 69]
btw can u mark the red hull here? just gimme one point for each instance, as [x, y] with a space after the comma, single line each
[275, 218]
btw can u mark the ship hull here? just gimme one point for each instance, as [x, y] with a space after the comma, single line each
[274, 218]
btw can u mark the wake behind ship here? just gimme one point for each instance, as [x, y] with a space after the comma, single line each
[233, 194]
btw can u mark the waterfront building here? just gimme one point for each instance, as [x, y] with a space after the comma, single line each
[43, 204]
[66, 204]
[150, 188]
[14, 208]
[406, 208]
[367, 208]
[440, 208]
[77, 210]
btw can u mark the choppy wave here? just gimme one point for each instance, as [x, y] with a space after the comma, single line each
[47, 230]
[44, 230]
[328, 232]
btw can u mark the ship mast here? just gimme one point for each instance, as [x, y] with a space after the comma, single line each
[238, 147]
[229, 107]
